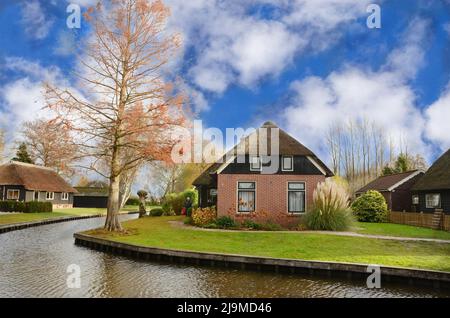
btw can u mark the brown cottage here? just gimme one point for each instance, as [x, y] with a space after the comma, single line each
[26, 182]
[395, 188]
[240, 188]
[432, 191]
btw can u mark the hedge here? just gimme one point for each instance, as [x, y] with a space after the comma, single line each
[26, 207]
[175, 201]
[370, 207]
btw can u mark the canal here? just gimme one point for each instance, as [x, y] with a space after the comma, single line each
[34, 261]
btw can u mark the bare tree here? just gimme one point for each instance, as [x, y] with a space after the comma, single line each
[50, 144]
[128, 105]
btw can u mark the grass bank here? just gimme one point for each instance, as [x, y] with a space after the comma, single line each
[400, 230]
[159, 232]
[12, 218]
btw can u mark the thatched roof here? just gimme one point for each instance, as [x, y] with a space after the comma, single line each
[437, 176]
[288, 145]
[389, 182]
[32, 177]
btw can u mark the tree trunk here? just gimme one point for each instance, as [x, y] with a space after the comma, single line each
[112, 217]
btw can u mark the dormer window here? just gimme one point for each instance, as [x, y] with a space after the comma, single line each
[255, 163]
[287, 163]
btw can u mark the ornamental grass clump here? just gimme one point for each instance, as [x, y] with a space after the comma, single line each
[330, 210]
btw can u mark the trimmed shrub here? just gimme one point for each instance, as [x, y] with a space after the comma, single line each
[330, 209]
[250, 224]
[225, 222]
[26, 207]
[201, 217]
[370, 207]
[156, 211]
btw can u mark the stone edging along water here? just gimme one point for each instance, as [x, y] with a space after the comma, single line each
[24, 225]
[436, 279]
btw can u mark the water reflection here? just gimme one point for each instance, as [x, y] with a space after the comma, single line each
[33, 263]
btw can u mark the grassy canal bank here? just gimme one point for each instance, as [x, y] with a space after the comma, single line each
[168, 232]
[13, 218]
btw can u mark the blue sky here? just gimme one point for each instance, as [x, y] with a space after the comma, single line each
[302, 64]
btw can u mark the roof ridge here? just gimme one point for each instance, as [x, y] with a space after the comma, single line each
[31, 165]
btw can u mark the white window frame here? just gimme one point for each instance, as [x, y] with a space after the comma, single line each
[282, 163]
[51, 198]
[8, 196]
[287, 197]
[426, 201]
[247, 190]
[64, 196]
[258, 161]
[415, 199]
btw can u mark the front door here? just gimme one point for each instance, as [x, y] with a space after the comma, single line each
[212, 197]
[36, 195]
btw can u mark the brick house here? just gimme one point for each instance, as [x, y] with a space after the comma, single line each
[243, 186]
[26, 182]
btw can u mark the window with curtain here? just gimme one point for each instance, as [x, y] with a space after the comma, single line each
[296, 197]
[433, 200]
[246, 196]
[12, 194]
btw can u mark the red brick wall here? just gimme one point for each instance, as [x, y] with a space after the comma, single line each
[271, 196]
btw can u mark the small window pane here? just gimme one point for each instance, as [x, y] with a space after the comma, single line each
[246, 185]
[296, 201]
[296, 186]
[255, 163]
[415, 199]
[287, 163]
[433, 200]
[246, 201]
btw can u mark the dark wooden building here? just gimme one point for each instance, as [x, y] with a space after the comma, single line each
[432, 191]
[26, 182]
[395, 188]
[90, 197]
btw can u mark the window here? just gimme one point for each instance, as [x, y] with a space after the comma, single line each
[296, 197]
[64, 196]
[415, 199]
[433, 200]
[50, 196]
[246, 196]
[255, 163]
[12, 195]
[287, 163]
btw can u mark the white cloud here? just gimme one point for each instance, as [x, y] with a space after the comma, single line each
[438, 119]
[407, 59]
[234, 47]
[356, 93]
[36, 23]
[66, 44]
[23, 99]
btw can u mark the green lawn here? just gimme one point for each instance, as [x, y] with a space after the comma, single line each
[158, 232]
[11, 218]
[391, 229]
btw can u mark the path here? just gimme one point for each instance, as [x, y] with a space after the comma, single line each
[353, 234]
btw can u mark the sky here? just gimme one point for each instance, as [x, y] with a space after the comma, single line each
[302, 64]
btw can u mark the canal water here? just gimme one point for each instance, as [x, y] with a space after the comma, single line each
[34, 262]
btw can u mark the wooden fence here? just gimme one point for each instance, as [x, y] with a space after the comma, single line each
[418, 219]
